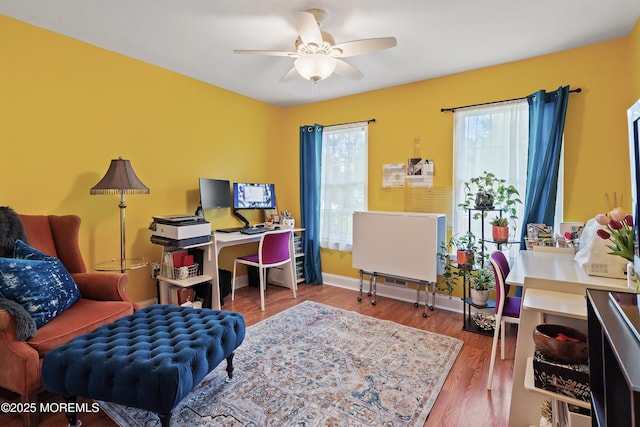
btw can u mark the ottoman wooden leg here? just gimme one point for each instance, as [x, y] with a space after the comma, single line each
[230, 367]
[165, 419]
[71, 414]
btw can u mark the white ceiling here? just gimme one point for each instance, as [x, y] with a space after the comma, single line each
[196, 38]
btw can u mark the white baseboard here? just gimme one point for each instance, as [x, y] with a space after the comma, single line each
[399, 293]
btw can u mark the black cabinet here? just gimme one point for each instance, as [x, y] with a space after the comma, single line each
[614, 358]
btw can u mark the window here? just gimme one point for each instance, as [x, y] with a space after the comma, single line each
[492, 138]
[344, 182]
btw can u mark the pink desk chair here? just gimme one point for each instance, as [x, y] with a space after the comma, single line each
[275, 249]
[507, 308]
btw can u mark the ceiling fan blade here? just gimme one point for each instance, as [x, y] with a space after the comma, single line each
[359, 47]
[268, 53]
[347, 70]
[308, 28]
[292, 72]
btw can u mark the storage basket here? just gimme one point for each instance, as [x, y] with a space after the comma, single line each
[182, 273]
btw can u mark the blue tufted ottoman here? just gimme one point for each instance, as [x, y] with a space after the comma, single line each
[149, 360]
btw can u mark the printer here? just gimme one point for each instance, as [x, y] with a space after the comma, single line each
[179, 230]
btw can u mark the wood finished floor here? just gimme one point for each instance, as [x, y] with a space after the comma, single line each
[463, 400]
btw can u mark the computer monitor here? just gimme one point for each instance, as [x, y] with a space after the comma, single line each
[215, 193]
[253, 196]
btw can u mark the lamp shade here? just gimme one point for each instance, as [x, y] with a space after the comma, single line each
[119, 178]
[316, 66]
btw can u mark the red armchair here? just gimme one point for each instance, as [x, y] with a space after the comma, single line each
[103, 300]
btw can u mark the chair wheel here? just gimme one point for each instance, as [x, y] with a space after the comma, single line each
[373, 303]
[424, 314]
[415, 304]
[368, 294]
[359, 299]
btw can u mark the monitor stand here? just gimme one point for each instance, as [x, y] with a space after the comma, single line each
[236, 229]
[241, 218]
[199, 212]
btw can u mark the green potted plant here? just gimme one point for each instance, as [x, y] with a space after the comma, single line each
[466, 250]
[449, 272]
[480, 285]
[486, 192]
[500, 229]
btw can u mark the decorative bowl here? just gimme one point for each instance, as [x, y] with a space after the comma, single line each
[484, 321]
[561, 343]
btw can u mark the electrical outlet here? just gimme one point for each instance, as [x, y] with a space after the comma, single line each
[155, 269]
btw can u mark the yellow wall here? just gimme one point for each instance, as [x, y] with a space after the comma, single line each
[595, 127]
[634, 55]
[67, 108]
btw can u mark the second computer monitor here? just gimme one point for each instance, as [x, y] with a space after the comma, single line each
[253, 196]
[214, 193]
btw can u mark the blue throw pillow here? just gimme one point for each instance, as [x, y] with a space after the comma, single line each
[21, 250]
[38, 282]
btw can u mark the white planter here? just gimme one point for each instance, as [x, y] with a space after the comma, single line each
[479, 297]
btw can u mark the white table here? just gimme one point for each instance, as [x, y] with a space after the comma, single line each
[558, 267]
[222, 240]
[211, 263]
[554, 285]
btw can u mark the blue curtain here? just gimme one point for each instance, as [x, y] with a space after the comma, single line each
[547, 111]
[310, 180]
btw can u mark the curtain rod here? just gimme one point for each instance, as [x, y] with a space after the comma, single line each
[446, 110]
[350, 123]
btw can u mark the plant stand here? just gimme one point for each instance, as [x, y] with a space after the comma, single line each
[469, 324]
[468, 305]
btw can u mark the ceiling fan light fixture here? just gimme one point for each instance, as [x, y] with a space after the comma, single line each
[317, 54]
[316, 66]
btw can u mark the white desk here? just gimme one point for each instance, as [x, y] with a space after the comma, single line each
[222, 240]
[558, 267]
[554, 285]
[211, 263]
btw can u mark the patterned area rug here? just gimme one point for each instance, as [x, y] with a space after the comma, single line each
[316, 365]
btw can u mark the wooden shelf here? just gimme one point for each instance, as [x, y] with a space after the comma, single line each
[529, 384]
[186, 283]
[559, 303]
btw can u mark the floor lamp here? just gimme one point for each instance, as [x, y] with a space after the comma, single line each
[120, 179]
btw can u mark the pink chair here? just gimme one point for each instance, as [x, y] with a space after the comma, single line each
[276, 248]
[507, 308]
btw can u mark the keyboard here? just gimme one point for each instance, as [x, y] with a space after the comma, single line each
[254, 230]
[230, 230]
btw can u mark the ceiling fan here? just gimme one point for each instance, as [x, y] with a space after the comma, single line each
[317, 56]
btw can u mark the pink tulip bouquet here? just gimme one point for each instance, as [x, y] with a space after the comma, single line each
[619, 230]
